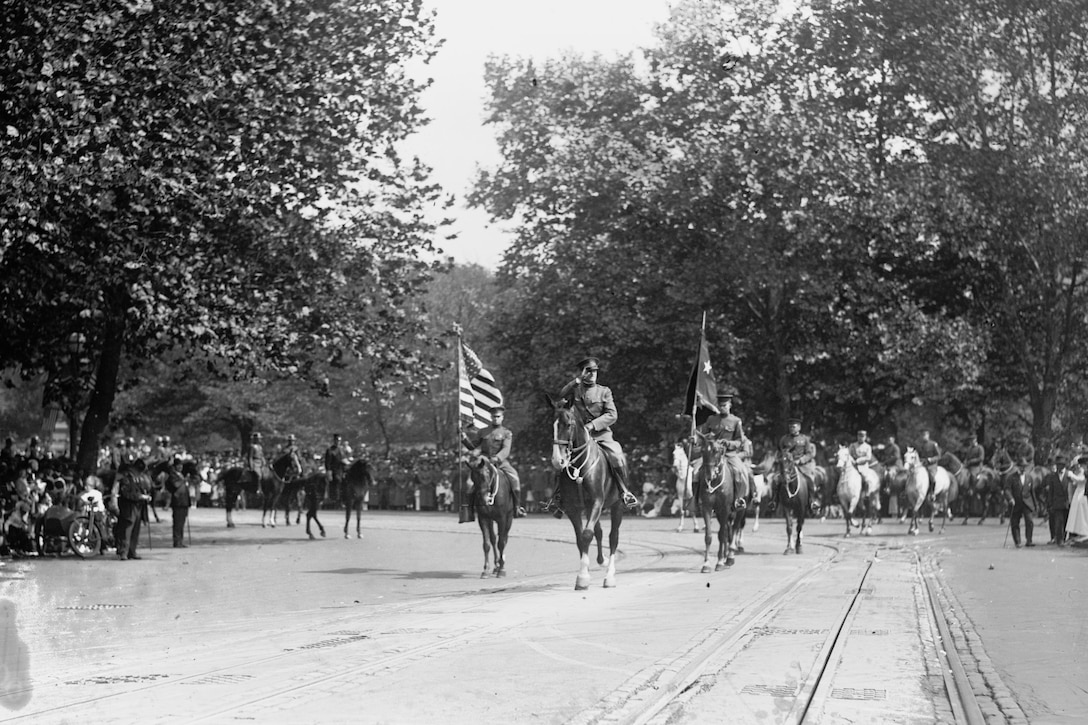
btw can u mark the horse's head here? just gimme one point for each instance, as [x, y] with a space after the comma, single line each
[843, 458]
[568, 431]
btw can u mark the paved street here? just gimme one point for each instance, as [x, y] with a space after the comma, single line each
[264, 624]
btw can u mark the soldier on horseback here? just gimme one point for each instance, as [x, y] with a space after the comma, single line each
[929, 453]
[494, 443]
[727, 431]
[291, 449]
[335, 466]
[862, 453]
[797, 447]
[595, 405]
[254, 457]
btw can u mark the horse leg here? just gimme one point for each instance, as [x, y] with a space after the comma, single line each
[598, 534]
[800, 531]
[581, 582]
[347, 518]
[708, 537]
[358, 519]
[613, 545]
[683, 506]
[500, 548]
[486, 533]
[789, 531]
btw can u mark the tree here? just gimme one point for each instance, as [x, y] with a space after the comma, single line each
[220, 176]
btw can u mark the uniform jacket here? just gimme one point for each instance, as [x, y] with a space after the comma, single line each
[594, 405]
[974, 455]
[1057, 491]
[862, 453]
[929, 452]
[799, 447]
[255, 457]
[725, 428]
[892, 455]
[495, 442]
[334, 459]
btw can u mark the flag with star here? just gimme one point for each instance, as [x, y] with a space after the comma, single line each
[701, 400]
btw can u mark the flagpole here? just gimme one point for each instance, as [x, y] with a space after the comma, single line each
[459, 499]
[694, 405]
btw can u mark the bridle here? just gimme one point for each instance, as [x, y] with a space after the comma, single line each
[571, 459]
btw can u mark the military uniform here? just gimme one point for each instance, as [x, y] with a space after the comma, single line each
[929, 453]
[728, 430]
[596, 407]
[494, 443]
[802, 451]
[254, 459]
[862, 453]
[335, 466]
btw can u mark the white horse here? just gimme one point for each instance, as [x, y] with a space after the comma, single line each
[919, 487]
[682, 469]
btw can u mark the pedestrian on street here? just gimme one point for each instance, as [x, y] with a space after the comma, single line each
[1076, 528]
[129, 497]
[178, 488]
[1057, 494]
[1021, 497]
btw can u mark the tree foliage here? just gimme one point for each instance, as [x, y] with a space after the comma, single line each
[221, 176]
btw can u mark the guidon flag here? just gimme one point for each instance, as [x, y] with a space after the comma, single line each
[478, 392]
[701, 400]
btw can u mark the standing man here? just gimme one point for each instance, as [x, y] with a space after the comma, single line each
[1021, 497]
[727, 430]
[128, 498]
[178, 488]
[862, 453]
[929, 453]
[494, 443]
[1057, 495]
[595, 405]
[335, 466]
[800, 449]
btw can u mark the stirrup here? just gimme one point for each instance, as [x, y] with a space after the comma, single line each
[519, 512]
[629, 500]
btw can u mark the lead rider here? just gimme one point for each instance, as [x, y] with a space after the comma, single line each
[594, 404]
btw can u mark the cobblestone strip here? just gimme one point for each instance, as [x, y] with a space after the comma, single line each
[994, 698]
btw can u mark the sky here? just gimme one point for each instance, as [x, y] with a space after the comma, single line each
[456, 141]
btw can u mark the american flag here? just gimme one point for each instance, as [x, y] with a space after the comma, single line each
[479, 394]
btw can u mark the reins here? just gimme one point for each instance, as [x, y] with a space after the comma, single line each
[568, 455]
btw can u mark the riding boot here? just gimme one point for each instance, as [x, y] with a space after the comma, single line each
[813, 498]
[518, 510]
[629, 499]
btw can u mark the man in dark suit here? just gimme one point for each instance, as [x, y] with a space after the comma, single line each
[1057, 496]
[1019, 494]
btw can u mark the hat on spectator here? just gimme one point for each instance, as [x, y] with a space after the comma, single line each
[256, 436]
[793, 419]
[499, 409]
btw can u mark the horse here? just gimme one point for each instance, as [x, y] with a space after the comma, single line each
[494, 505]
[849, 490]
[920, 489]
[289, 470]
[237, 479]
[587, 488]
[759, 493]
[681, 469]
[786, 479]
[985, 488]
[718, 497]
[357, 479]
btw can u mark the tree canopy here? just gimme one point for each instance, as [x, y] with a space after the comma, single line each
[220, 176]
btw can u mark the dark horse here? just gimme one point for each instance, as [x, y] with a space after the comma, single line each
[494, 512]
[719, 495]
[237, 479]
[793, 495]
[587, 487]
[357, 479]
[287, 467]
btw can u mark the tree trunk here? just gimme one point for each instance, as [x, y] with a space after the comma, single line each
[1043, 404]
[105, 390]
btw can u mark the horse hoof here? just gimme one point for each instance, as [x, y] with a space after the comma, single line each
[788, 550]
[869, 531]
[740, 549]
[230, 524]
[719, 566]
[730, 562]
[846, 535]
[484, 575]
[359, 535]
[346, 535]
[798, 550]
[609, 582]
[500, 573]
[273, 524]
[581, 584]
[913, 532]
[264, 525]
[755, 526]
[312, 537]
[680, 529]
[698, 530]
[705, 569]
